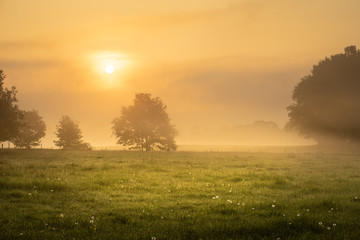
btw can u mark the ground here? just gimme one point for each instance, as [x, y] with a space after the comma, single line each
[54, 194]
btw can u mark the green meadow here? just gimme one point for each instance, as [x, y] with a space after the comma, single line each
[54, 194]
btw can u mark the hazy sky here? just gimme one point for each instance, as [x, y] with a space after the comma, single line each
[213, 63]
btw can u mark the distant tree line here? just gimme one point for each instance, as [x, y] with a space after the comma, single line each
[144, 126]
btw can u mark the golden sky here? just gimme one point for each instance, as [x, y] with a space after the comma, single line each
[213, 63]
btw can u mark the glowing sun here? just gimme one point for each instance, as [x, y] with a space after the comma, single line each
[109, 69]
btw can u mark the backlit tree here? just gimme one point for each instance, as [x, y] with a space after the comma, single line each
[327, 102]
[145, 125]
[69, 135]
[32, 128]
[9, 111]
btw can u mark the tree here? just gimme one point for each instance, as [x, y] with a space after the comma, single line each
[9, 111]
[69, 135]
[32, 129]
[327, 102]
[145, 125]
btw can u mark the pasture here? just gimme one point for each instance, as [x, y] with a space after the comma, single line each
[53, 194]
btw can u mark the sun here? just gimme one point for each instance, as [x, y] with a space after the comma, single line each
[109, 69]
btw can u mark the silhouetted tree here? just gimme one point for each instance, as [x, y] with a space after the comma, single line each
[69, 135]
[9, 111]
[145, 125]
[32, 129]
[327, 102]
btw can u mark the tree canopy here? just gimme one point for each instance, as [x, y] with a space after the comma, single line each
[145, 125]
[327, 102]
[32, 128]
[69, 134]
[9, 111]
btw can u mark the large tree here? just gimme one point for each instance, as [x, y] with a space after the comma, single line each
[69, 134]
[145, 125]
[327, 102]
[32, 128]
[9, 111]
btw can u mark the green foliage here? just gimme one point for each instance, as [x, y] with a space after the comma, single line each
[145, 125]
[48, 194]
[32, 129]
[69, 135]
[9, 111]
[327, 101]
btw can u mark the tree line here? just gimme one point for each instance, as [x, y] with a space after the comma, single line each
[144, 126]
[326, 108]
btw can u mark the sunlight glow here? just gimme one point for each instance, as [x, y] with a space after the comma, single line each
[109, 69]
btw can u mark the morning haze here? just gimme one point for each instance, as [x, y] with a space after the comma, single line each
[216, 65]
[179, 120]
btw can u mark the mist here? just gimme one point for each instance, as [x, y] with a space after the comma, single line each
[219, 67]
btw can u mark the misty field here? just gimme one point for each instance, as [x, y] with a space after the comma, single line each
[50, 194]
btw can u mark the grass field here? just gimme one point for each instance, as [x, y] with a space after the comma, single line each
[51, 194]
